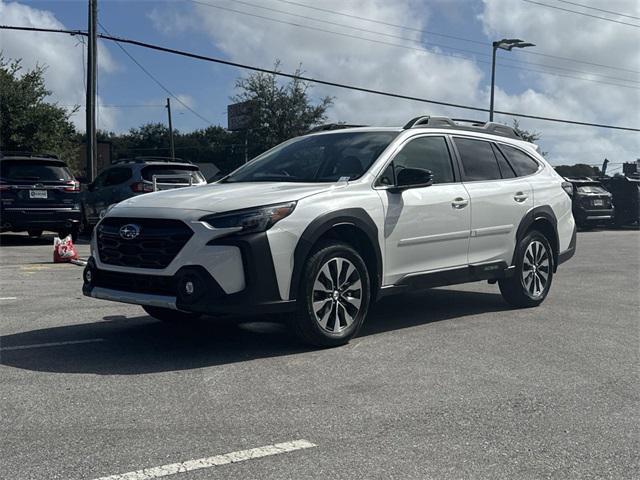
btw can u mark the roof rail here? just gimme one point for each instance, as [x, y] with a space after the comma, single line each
[144, 159]
[332, 126]
[492, 128]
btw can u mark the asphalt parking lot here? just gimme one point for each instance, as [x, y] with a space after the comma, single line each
[449, 383]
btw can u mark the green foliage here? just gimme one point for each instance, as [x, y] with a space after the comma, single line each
[28, 123]
[281, 111]
[578, 170]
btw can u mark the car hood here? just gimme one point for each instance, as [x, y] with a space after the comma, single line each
[223, 197]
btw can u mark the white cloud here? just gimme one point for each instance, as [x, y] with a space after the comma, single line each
[574, 36]
[429, 75]
[61, 54]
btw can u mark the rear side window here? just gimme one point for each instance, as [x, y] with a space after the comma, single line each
[181, 174]
[522, 163]
[478, 160]
[505, 168]
[34, 171]
[117, 176]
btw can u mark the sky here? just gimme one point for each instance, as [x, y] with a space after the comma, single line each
[435, 49]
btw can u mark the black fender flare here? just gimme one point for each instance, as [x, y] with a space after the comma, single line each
[356, 217]
[543, 212]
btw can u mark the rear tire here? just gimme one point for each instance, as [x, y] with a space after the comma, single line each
[170, 316]
[333, 297]
[33, 233]
[530, 284]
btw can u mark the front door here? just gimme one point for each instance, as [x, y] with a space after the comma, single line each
[425, 228]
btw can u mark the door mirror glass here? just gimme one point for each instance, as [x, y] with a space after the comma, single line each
[413, 178]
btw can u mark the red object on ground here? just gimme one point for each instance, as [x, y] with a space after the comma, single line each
[64, 250]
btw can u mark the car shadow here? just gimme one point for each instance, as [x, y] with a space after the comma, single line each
[129, 346]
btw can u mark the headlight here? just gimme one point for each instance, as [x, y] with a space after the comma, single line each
[251, 220]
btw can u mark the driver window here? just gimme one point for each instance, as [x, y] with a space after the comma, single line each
[427, 153]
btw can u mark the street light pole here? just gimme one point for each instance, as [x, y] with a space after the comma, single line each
[493, 80]
[505, 44]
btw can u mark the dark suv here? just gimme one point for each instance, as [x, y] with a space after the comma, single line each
[38, 192]
[129, 177]
[592, 203]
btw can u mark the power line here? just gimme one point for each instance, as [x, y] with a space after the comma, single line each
[598, 9]
[315, 80]
[474, 52]
[462, 39]
[582, 13]
[408, 47]
[115, 106]
[152, 77]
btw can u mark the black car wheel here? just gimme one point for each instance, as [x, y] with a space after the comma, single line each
[334, 296]
[534, 272]
[33, 233]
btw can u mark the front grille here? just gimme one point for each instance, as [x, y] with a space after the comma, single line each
[153, 284]
[157, 244]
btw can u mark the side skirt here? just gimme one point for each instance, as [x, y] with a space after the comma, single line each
[491, 271]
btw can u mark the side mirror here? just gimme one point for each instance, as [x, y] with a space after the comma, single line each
[412, 178]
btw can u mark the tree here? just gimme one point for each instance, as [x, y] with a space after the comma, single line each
[578, 170]
[526, 135]
[27, 121]
[281, 110]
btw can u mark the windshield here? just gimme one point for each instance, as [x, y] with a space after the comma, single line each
[318, 158]
[591, 189]
[34, 170]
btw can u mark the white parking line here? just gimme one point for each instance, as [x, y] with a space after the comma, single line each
[52, 344]
[8, 298]
[208, 462]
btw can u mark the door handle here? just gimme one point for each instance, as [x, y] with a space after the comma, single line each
[459, 203]
[520, 197]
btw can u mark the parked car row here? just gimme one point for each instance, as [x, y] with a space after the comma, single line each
[606, 201]
[38, 192]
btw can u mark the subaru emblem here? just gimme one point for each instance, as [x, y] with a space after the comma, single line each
[129, 231]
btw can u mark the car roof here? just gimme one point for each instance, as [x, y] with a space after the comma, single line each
[32, 158]
[441, 131]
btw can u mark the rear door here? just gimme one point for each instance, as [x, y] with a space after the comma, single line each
[499, 200]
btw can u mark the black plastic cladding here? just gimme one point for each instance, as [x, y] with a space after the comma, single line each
[356, 217]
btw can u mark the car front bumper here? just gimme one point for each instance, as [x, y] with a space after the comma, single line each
[55, 219]
[192, 287]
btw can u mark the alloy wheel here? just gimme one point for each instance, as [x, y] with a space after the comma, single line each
[536, 268]
[336, 295]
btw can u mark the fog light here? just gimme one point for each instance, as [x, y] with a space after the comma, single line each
[189, 287]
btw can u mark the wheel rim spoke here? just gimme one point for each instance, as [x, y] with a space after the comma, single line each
[536, 268]
[336, 295]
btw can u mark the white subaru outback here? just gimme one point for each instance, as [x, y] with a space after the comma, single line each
[325, 224]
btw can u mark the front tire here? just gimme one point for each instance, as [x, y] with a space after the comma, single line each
[334, 296]
[530, 284]
[170, 316]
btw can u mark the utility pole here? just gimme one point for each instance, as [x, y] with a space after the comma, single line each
[171, 146]
[90, 107]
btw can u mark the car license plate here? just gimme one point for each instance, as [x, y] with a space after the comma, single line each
[598, 203]
[37, 194]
